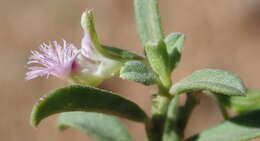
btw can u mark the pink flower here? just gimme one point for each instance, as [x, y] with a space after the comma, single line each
[54, 59]
[84, 66]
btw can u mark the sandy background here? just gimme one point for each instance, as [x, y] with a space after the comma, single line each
[221, 34]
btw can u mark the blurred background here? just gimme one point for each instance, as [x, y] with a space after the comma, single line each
[221, 34]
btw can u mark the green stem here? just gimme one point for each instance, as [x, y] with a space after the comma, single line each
[150, 31]
[221, 107]
[151, 131]
[186, 111]
[155, 126]
[171, 130]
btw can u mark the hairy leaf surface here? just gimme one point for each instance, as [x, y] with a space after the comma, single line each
[138, 72]
[88, 99]
[148, 20]
[159, 60]
[216, 81]
[174, 43]
[241, 128]
[99, 126]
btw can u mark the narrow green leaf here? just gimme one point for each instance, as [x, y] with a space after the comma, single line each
[241, 128]
[250, 102]
[216, 81]
[99, 126]
[88, 24]
[148, 20]
[120, 54]
[159, 60]
[174, 43]
[171, 126]
[138, 72]
[85, 98]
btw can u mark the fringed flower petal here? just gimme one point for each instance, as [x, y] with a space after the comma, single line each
[53, 58]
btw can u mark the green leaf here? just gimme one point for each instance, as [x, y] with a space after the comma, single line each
[99, 126]
[171, 126]
[159, 61]
[120, 54]
[138, 72]
[148, 20]
[216, 81]
[250, 102]
[174, 43]
[88, 99]
[240, 128]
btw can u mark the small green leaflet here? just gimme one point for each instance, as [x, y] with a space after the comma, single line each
[216, 81]
[99, 126]
[138, 72]
[174, 43]
[159, 60]
[88, 99]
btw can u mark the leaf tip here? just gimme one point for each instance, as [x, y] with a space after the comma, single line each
[34, 121]
[35, 117]
[61, 127]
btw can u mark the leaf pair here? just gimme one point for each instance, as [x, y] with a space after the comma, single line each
[164, 56]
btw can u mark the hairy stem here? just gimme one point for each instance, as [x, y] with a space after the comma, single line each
[155, 126]
[171, 129]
